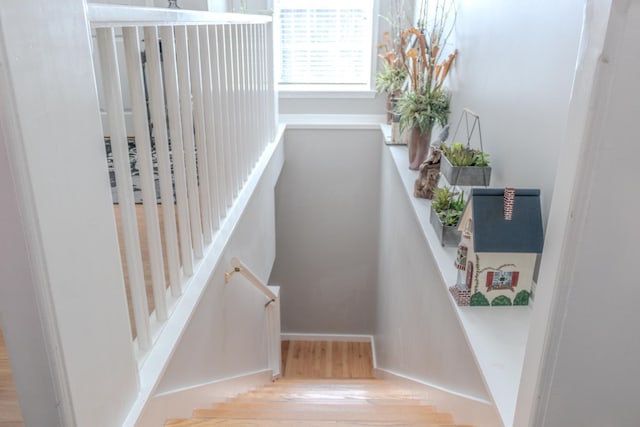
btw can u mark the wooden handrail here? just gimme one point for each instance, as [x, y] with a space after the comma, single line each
[239, 267]
[107, 15]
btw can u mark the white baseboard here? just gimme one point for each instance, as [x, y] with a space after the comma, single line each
[181, 403]
[466, 409]
[326, 337]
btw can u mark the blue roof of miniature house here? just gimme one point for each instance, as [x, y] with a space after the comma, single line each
[492, 233]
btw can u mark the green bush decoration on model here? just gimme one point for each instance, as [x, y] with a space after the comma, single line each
[478, 299]
[522, 298]
[448, 207]
[501, 301]
[463, 155]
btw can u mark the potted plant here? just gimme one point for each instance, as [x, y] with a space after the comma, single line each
[391, 79]
[446, 210]
[426, 102]
[394, 74]
[463, 165]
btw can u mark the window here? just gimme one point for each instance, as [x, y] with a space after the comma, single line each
[324, 42]
[502, 280]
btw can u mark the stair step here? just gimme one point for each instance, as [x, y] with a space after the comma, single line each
[351, 400]
[309, 412]
[208, 422]
[329, 400]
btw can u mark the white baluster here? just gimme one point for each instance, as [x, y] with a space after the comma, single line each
[159, 120]
[177, 146]
[195, 74]
[255, 98]
[239, 93]
[273, 99]
[216, 174]
[120, 152]
[220, 107]
[186, 116]
[230, 48]
[145, 167]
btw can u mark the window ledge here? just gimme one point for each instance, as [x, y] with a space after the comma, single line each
[332, 121]
[326, 91]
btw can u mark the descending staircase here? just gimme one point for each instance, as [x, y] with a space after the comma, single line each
[320, 402]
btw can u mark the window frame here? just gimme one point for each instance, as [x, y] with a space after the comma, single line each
[328, 90]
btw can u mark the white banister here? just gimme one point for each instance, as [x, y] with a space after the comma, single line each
[215, 184]
[186, 115]
[239, 267]
[177, 146]
[202, 177]
[218, 106]
[231, 109]
[161, 139]
[145, 167]
[120, 150]
[200, 118]
[115, 16]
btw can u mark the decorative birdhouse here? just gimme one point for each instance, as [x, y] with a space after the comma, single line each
[501, 240]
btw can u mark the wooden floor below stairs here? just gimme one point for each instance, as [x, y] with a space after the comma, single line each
[324, 384]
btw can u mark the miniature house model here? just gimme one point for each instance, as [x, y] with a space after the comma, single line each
[501, 239]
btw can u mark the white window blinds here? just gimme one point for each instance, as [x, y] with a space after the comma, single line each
[324, 41]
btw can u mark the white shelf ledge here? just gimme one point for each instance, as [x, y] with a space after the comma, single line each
[497, 336]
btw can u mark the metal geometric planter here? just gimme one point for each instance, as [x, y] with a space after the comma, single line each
[465, 175]
[449, 235]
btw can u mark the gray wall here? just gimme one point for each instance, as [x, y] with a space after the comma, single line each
[591, 349]
[515, 69]
[417, 332]
[327, 231]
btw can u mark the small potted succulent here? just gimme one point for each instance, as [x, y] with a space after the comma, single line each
[463, 165]
[446, 210]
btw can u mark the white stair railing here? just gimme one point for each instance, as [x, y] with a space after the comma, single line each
[196, 93]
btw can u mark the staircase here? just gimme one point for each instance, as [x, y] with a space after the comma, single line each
[320, 402]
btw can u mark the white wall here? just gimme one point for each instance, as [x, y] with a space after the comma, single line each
[327, 227]
[589, 360]
[227, 333]
[417, 333]
[64, 216]
[515, 68]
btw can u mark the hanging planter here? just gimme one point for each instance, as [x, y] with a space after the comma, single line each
[461, 164]
[465, 175]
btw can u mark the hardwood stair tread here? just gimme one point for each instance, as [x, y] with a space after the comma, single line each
[329, 413]
[330, 401]
[208, 422]
[359, 407]
[350, 398]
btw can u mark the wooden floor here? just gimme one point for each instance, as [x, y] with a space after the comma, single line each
[9, 407]
[324, 359]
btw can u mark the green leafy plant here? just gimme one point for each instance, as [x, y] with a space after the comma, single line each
[423, 110]
[448, 207]
[463, 155]
[390, 79]
[426, 102]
